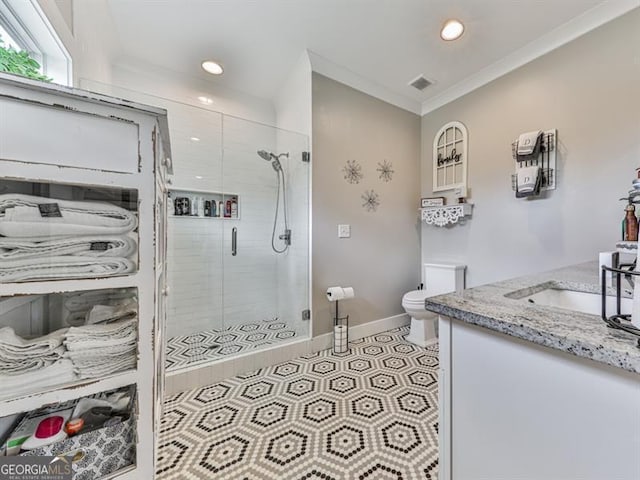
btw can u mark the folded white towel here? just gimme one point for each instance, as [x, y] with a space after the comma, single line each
[63, 267]
[10, 341]
[527, 142]
[103, 349]
[527, 179]
[12, 365]
[59, 373]
[94, 246]
[105, 366]
[83, 301]
[19, 355]
[21, 216]
[110, 330]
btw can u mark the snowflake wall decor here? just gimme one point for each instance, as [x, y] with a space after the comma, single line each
[352, 172]
[385, 171]
[371, 200]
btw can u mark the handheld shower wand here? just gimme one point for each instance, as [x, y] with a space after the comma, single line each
[277, 166]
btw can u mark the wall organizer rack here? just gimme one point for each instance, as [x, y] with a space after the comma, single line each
[546, 160]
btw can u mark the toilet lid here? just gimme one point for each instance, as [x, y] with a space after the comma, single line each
[415, 296]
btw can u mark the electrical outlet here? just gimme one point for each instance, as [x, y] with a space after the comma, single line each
[344, 231]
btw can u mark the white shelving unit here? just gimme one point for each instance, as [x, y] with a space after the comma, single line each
[60, 136]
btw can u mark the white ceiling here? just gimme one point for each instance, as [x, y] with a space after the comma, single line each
[383, 43]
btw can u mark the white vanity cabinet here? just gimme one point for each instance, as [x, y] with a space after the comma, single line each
[67, 144]
[510, 409]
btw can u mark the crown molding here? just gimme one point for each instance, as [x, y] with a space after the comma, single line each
[336, 72]
[574, 28]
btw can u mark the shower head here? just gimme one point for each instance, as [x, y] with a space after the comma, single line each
[265, 155]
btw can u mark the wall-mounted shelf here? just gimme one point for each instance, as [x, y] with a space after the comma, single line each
[446, 214]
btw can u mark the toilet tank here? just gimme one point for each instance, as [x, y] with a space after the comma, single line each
[440, 278]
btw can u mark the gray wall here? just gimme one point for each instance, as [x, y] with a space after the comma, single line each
[589, 90]
[381, 260]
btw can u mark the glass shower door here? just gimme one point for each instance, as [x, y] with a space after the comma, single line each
[195, 236]
[265, 268]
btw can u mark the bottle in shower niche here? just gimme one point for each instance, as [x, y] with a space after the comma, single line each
[227, 209]
[220, 208]
[631, 224]
[212, 212]
[200, 206]
[234, 207]
[207, 208]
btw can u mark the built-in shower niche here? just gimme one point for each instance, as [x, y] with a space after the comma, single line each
[204, 204]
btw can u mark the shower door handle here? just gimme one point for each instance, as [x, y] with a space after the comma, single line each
[234, 241]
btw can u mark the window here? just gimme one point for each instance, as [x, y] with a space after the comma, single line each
[8, 40]
[24, 26]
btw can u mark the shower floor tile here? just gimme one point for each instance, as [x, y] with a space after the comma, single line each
[371, 413]
[185, 350]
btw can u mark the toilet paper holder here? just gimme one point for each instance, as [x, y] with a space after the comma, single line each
[340, 324]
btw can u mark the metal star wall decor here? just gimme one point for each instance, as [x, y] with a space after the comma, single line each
[352, 172]
[385, 171]
[371, 200]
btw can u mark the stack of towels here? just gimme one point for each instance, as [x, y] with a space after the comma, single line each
[106, 346]
[44, 238]
[99, 350]
[30, 365]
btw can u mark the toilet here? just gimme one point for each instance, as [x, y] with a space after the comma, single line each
[438, 278]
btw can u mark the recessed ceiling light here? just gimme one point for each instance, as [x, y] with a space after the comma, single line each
[194, 139]
[214, 68]
[452, 30]
[205, 100]
[199, 177]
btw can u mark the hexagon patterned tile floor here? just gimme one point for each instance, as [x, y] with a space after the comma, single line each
[369, 414]
[210, 345]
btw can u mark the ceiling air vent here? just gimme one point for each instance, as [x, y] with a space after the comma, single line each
[420, 83]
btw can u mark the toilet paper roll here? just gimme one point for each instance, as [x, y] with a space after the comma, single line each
[348, 293]
[340, 343]
[339, 293]
[335, 293]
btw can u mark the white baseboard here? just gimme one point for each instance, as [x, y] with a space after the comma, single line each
[324, 341]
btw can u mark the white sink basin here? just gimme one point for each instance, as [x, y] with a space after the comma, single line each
[577, 301]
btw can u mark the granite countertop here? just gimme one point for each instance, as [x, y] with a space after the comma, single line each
[499, 306]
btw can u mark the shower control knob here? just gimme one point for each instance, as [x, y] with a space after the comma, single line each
[167, 162]
[165, 291]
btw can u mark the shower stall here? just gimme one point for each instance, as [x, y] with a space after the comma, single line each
[238, 238]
